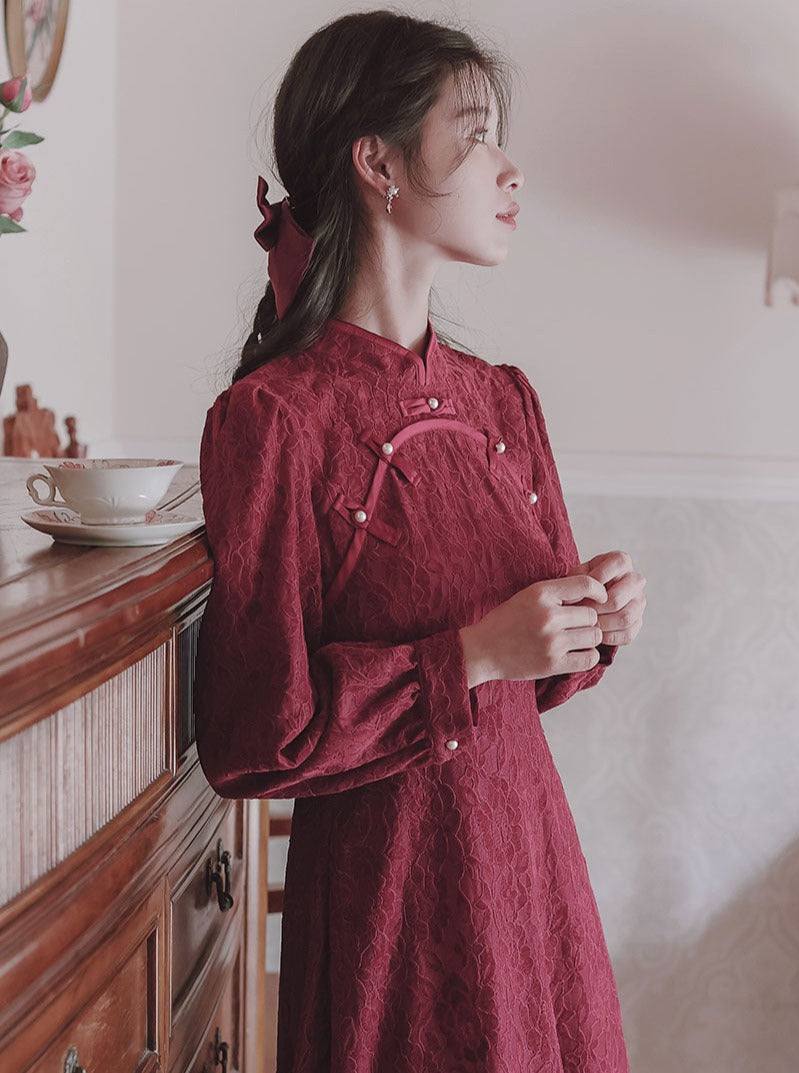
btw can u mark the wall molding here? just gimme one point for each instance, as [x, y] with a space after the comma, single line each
[604, 473]
[678, 476]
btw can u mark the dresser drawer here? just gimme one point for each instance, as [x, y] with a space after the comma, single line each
[107, 1017]
[221, 1046]
[212, 863]
[218, 1003]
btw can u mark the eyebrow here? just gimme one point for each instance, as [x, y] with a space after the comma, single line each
[471, 110]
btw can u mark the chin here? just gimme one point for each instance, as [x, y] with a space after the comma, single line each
[487, 257]
[496, 259]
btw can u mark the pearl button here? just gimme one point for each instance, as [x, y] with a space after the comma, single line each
[533, 497]
[360, 515]
[452, 744]
[500, 447]
[433, 404]
[388, 448]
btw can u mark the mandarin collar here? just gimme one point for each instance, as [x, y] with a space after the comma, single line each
[386, 352]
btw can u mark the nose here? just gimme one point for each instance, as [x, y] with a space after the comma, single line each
[512, 177]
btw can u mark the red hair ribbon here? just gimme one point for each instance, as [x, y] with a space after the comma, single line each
[288, 245]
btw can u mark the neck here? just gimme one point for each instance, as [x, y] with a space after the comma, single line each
[390, 295]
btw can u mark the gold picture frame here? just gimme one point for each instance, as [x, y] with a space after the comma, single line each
[34, 38]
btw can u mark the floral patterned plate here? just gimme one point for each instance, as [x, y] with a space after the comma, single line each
[65, 526]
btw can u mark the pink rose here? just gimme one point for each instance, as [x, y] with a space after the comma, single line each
[9, 90]
[16, 177]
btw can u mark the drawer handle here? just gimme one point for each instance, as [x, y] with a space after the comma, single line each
[220, 1052]
[213, 877]
[71, 1064]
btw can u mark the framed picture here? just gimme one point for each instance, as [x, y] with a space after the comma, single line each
[34, 37]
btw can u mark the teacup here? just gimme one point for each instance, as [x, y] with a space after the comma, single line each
[106, 491]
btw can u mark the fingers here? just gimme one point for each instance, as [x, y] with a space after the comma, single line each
[619, 616]
[621, 627]
[575, 616]
[624, 590]
[581, 660]
[622, 637]
[584, 637]
[571, 589]
[621, 591]
[610, 565]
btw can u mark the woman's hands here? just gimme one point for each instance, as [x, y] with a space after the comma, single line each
[621, 617]
[546, 628]
[553, 627]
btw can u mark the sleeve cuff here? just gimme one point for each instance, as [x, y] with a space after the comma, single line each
[450, 707]
[607, 653]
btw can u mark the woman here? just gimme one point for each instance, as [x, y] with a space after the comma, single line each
[397, 593]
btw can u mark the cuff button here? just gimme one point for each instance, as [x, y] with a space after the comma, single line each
[452, 744]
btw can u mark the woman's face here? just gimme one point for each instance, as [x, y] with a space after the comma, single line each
[464, 225]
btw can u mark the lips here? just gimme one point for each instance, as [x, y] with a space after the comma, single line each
[510, 213]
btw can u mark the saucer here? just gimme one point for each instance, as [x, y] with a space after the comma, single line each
[65, 526]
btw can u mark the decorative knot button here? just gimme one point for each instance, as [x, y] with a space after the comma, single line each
[388, 448]
[433, 403]
[452, 744]
[499, 446]
[533, 497]
[359, 516]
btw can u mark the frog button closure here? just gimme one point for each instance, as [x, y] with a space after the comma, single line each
[359, 516]
[366, 526]
[426, 404]
[496, 448]
[386, 451]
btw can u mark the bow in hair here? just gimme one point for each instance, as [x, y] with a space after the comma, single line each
[288, 245]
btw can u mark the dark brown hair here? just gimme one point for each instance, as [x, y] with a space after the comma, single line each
[374, 72]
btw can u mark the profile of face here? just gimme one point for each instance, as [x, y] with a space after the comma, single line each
[464, 225]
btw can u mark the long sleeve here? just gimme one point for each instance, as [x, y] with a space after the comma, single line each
[557, 688]
[277, 713]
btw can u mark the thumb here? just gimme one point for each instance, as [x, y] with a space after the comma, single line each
[580, 568]
[586, 568]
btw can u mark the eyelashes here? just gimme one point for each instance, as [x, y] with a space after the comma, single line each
[479, 132]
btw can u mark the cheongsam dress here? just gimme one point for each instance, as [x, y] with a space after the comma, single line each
[362, 504]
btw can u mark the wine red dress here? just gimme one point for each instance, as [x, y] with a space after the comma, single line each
[363, 503]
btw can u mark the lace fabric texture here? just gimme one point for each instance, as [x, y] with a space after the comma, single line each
[362, 504]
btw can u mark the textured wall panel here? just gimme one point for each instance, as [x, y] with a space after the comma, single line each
[681, 768]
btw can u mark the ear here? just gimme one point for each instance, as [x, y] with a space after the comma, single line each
[372, 161]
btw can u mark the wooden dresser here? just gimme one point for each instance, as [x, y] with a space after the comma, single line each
[132, 899]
